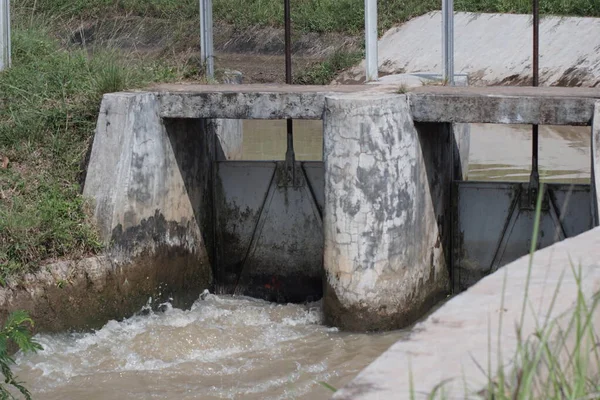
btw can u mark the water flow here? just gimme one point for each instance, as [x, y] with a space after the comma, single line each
[222, 348]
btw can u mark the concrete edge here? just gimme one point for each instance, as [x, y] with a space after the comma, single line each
[84, 294]
[501, 109]
[448, 345]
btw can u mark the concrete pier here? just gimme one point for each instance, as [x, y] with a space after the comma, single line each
[387, 195]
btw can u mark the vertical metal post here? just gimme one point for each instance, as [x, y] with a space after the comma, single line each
[534, 179]
[371, 40]
[290, 156]
[448, 41]
[5, 51]
[206, 38]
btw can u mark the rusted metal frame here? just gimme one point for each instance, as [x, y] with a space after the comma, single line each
[557, 215]
[311, 193]
[534, 180]
[290, 156]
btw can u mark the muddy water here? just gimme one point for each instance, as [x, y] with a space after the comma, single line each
[498, 152]
[229, 348]
[503, 152]
[222, 348]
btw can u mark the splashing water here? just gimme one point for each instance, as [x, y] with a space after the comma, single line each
[222, 348]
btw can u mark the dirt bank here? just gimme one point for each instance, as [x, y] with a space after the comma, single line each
[256, 52]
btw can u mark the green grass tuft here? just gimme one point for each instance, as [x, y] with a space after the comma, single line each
[323, 73]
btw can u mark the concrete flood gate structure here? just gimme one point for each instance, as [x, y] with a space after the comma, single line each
[370, 228]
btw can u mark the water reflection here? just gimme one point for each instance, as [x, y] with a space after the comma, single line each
[498, 152]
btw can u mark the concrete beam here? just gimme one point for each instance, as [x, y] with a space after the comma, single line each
[504, 105]
[243, 105]
[248, 101]
[452, 344]
[387, 198]
[499, 104]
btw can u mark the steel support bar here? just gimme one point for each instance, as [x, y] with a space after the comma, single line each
[448, 41]
[534, 180]
[206, 38]
[290, 156]
[371, 40]
[5, 52]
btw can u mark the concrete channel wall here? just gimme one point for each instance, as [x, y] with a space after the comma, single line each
[595, 178]
[493, 49]
[151, 182]
[471, 329]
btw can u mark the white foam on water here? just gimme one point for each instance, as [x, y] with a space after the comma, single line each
[222, 347]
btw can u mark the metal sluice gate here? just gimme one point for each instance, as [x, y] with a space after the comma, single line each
[269, 229]
[494, 222]
[269, 221]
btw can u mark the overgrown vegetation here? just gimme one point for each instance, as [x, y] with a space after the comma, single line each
[15, 330]
[48, 109]
[308, 15]
[323, 73]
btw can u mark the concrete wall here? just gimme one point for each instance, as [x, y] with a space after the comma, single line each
[386, 219]
[467, 332]
[134, 172]
[494, 49]
[151, 184]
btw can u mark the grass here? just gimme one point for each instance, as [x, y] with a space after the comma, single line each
[16, 331]
[308, 15]
[49, 102]
[323, 73]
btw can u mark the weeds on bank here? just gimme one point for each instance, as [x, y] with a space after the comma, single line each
[325, 72]
[49, 103]
[345, 16]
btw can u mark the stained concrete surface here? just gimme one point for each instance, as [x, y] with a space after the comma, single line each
[595, 150]
[387, 193]
[493, 49]
[505, 105]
